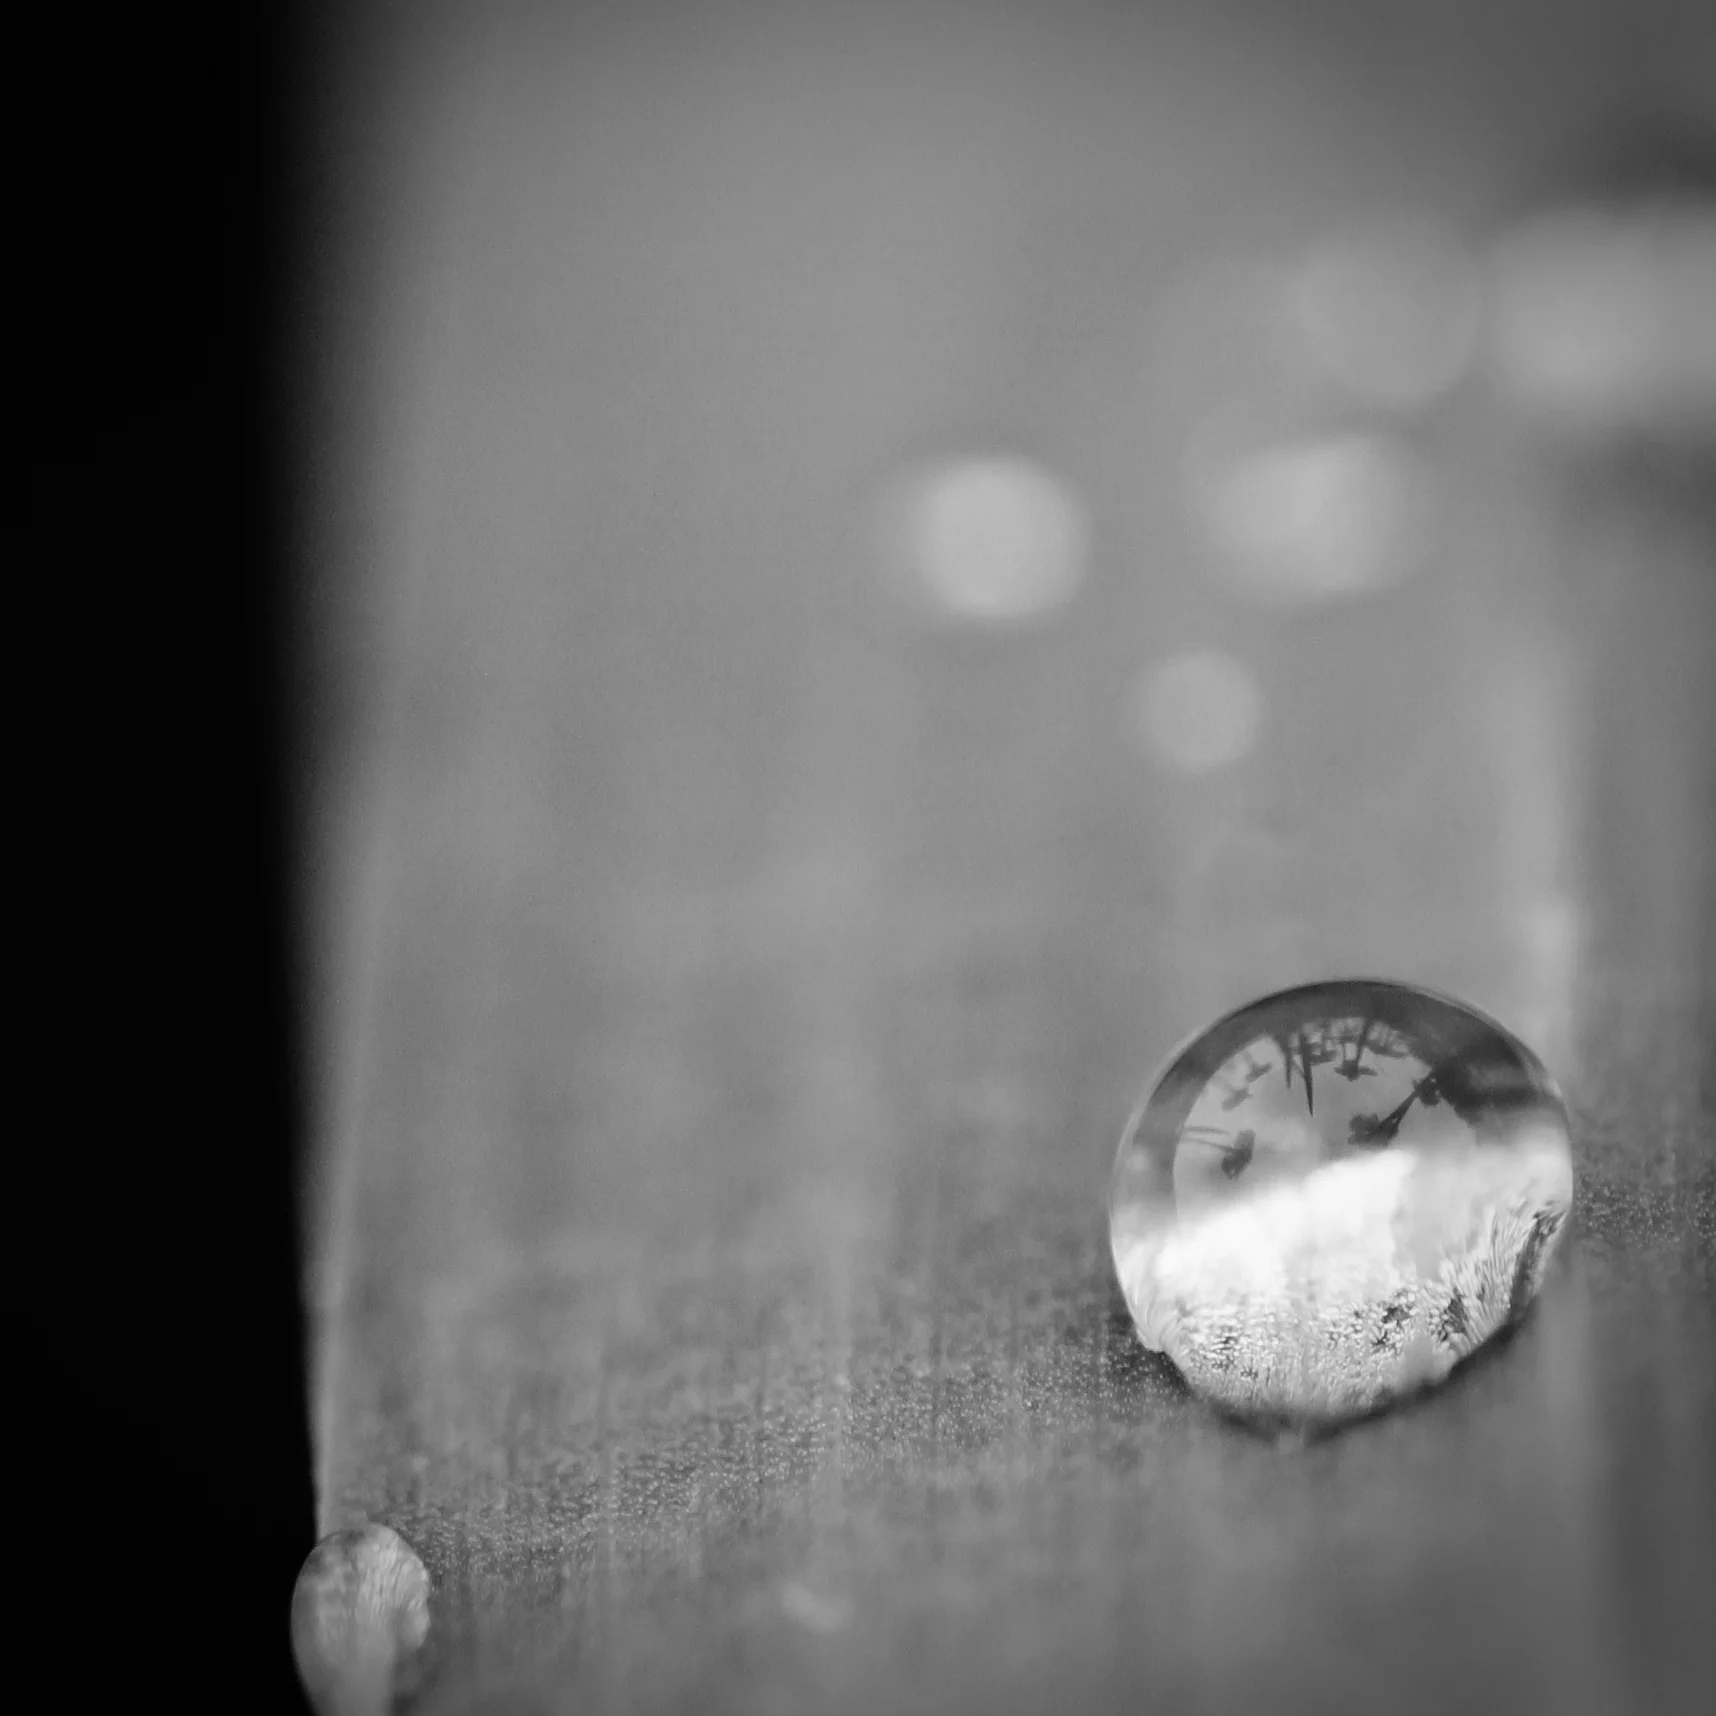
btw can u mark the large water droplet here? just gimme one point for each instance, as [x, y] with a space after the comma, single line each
[360, 1614]
[1334, 1195]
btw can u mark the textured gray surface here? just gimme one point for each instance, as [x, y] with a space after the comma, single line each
[738, 986]
[891, 1432]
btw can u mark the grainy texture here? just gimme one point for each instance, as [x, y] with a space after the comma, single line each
[741, 983]
[869, 1439]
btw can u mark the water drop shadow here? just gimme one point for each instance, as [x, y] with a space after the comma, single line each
[1131, 1373]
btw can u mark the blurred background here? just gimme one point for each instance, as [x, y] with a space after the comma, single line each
[805, 589]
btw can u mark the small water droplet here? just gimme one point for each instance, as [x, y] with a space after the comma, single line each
[360, 1614]
[1335, 1194]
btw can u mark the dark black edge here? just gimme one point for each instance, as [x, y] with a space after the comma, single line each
[170, 1480]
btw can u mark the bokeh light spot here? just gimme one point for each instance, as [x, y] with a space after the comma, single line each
[1609, 321]
[1318, 519]
[1391, 314]
[992, 540]
[1199, 710]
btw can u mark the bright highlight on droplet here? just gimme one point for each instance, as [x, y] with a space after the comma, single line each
[1391, 314]
[997, 540]
[1199, 710]
[1609, 321]
[1315, 520]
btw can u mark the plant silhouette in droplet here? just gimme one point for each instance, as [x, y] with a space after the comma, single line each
[1376, 1130]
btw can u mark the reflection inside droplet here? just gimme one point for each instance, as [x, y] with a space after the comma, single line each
[360, 1614]
[1335, 1194]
